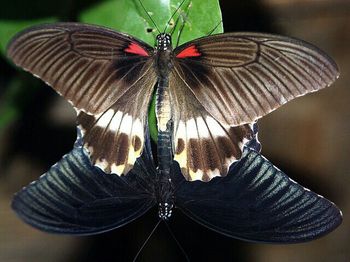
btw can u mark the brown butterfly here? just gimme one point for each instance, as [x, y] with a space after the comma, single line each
[211, 88]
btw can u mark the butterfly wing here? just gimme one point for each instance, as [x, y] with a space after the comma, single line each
[106, 75]
[257, 202]
[115, 138]
[203, 147]
[74, 197]
[240, 77]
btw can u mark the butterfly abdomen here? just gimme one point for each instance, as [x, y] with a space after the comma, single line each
[164, 191]
[163, 110]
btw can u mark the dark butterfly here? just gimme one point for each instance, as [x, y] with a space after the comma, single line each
[210, 88]
[255, 201]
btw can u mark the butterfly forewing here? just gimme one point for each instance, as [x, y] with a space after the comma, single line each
[217, 84]
[106, 75]
[90, 66]
[240, 77]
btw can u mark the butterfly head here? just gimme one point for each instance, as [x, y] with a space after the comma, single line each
[163, 42]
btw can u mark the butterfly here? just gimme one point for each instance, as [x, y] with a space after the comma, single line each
[211, 89]
[254, 202]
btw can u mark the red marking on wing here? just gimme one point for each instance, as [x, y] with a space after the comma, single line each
[189, 52]
[136, 49]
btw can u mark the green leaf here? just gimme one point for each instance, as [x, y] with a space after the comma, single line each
[8, 28]
[152, 120]
[198, 18]
[128, 16]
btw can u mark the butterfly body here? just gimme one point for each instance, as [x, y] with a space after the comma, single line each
[164, 186]
[163, 65]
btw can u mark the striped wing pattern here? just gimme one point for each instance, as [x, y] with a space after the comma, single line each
[86, 64]
[106, 75]
[257, 202]
[76, 198]
[240, 77]
[218, 86]
[203, 147]
[116, 137]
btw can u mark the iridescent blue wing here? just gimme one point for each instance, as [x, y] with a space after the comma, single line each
[74, 197]
[257, 202]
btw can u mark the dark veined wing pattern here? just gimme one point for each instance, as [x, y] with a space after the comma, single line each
[240, 77]
[99, 71]
[257, 202]
[203, 147]
[218, 84]
[74, 197]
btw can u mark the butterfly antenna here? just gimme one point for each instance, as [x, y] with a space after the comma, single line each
[146, 241]
[177, 9]
[184, 17]
[144, 9]
[213, 30]
[175, 25]
[177, 242]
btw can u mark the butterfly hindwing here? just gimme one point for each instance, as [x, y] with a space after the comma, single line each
[257, 202]
[203, 147]
[115, 138]
[240, 77]
[74, 197]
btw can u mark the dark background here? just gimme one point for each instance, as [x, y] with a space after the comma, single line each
[309, 139]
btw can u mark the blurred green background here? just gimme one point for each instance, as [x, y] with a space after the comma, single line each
[308, 138]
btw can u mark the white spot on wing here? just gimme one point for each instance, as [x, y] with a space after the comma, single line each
[215, 128]
[213, 173]
[115, 123]
[181, 134]
[191, 129]
[198, 175]
[137, 128]
[126, 124]
[181, 131]
[202, 128]
[102, 164]
[117, 169]
[105, 118]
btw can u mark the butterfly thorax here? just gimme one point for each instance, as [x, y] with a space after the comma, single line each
[163, 42]
[163, 56]
[163, 65]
